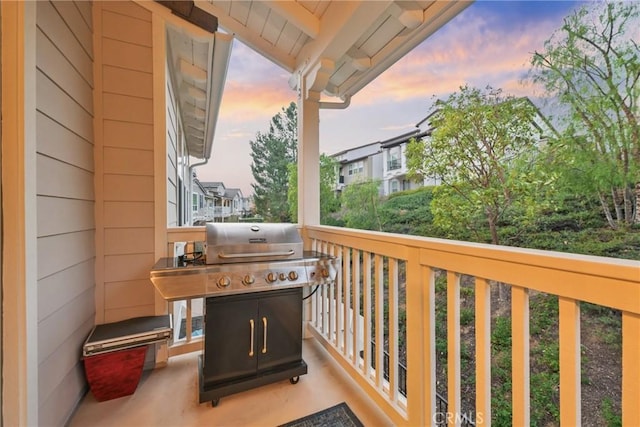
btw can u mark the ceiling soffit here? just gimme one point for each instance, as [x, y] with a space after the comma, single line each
[337, 46]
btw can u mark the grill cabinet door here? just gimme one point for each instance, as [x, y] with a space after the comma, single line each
[280, 315]
[230, 324]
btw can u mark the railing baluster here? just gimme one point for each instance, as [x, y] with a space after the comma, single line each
[332, 305]
[379, 328]
[483, 352]
[520, 355]
[367, 313]
[355, 315]
[188, 321]
[346, 281]
[393, 329]
[630, 369]
[453, 345]
[570, 380]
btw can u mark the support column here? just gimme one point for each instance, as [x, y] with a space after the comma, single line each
[308, 156]
[19, 207]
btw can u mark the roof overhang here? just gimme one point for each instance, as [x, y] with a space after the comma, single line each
[198, 62]
[334, 47]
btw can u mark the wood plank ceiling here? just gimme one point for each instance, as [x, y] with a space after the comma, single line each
[337, 46]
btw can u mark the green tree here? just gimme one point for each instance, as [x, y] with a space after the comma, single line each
[360, 203]
[271, 153]
[483, 149]
[329, 202]
[591, 65]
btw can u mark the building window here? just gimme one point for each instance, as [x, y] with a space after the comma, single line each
[195, 202]
[355, 168]
[394, 161]
[393, 186]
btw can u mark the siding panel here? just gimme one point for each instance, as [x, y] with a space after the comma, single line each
[56, 253]
[128, 214]
[64, 215]
[75, 21]
[127, 82]
[60, 364]
[121, 268]
[52, 24]
[56, 409]
[57, 328]
[128, 188]
[128, 135]
[116, 314]
[126, 28]
[59, 179]
[128, 294]
[128, 8]
[64, 211]
[128, 162]
[53, 102]
[61, 143]
[128, 240]
[127, 108]
[58, 289]
[59, 69]
[84, 7]
[127, 55]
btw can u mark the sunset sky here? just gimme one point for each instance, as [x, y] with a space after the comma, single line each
[489, 43]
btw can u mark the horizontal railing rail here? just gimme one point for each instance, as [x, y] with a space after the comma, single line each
[363, 306]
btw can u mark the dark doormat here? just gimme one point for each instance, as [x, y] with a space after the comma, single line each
[336, 416]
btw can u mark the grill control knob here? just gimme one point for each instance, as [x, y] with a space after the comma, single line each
[271, 277]
[223, 282]
[248, 279]
[282, 277]
[293, 276]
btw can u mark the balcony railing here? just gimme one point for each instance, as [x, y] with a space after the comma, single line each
[394, 164]
[387, 276]
[388, 283]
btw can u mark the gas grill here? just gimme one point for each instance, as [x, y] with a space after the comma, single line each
[252, 276]
[242, 258]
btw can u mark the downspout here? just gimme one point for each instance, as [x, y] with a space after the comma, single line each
[190, 203]
[336, 105]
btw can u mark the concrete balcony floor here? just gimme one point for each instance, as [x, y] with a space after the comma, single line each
[169, 397]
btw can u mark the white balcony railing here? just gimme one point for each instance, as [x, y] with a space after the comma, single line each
[372, 267]
[400, 272]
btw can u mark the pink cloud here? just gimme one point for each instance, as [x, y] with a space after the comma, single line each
[470, 50]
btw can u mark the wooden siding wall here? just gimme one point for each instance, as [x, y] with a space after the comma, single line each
[172, 155]
[124, 161]
[65, 198]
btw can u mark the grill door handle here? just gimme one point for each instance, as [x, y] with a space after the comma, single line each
[264, 340]
[222, 255]
[252, 333]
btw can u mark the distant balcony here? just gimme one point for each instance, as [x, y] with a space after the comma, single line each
[375, 332]
[394, 164]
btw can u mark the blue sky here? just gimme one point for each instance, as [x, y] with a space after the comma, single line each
[489, 43]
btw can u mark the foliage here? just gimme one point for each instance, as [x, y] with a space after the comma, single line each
[360, 205]
[329, 202]
[407, 212]
[271, 154]
[591, 65]
[483, 149]
[611, 417]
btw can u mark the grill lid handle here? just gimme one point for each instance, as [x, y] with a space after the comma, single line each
[253, 254]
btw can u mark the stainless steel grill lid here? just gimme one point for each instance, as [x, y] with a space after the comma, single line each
[250, 242]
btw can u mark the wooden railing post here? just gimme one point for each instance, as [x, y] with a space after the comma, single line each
[520, 355]
[570, 380]
[630, 369]
[419, 373]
